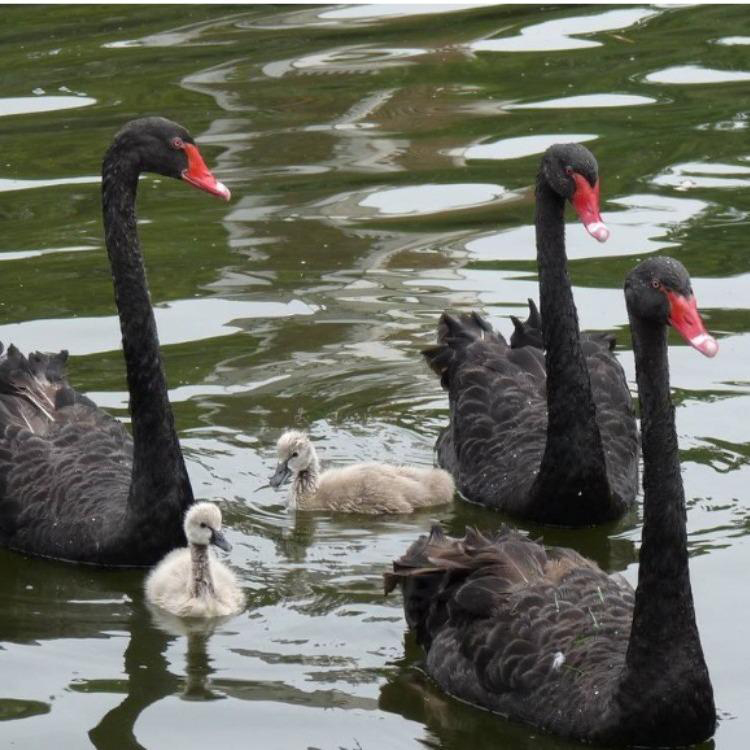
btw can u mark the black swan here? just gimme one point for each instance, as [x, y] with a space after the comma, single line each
[547, 436]
[529, 332]
[543, 635]
[73, 485]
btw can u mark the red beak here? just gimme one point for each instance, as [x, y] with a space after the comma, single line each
[586, 203]
[686, 320]
[200, 175]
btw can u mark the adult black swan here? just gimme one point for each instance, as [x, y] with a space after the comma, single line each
[73, 484]
[543, 635]
[547, 436]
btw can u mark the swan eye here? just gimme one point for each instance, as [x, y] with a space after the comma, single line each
[656, 284]
[295, 454]
[569, 171]
[203, 525]
[177, 143]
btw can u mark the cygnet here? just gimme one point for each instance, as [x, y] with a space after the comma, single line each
[373, 488]
[190, 581]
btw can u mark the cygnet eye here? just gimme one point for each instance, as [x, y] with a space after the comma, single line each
[295, 454]
[203, 525]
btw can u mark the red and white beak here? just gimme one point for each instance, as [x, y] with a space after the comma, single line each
[686, 320]
[586, 203]
[200, 175]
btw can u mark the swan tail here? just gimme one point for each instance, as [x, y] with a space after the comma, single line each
[32, 388]
[455, 333]
[527, 332]
[441, 576]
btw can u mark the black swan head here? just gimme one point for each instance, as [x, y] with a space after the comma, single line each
[155, 144]
[572, 172]
[659, 290]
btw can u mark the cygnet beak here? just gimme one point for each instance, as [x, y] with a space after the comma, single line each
[218, 538]
[281, 475]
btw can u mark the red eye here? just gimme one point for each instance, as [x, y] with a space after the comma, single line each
[177, 143]
[656, 283]
[568, 171]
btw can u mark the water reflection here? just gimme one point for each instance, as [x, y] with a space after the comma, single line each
[24, 105]
[703, 175]
[520, 146]
[696, 74]
[355, 59]
[561, 33]
[587, 101]
[178, 321]
[7, 185]
[355, 14]
[428, 199]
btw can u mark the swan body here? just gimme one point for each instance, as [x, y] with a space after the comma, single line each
[191, 582]
[361, 488]
[544, 636]
[74, 486]
[543, 434]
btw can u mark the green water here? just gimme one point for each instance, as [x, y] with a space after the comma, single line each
[381, 166]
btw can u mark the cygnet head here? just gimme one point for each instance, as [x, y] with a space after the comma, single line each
[203, 526]
[295, 454]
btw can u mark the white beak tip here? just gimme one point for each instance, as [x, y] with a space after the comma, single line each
[223, 191]
[598, 230]
[705, 344]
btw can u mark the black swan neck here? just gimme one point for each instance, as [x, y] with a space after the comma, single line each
[664, 646]
[159, 482]
[574, 445]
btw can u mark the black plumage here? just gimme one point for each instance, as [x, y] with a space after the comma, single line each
[527, 332]
[545, 435]
[73, 484]
[544, 636]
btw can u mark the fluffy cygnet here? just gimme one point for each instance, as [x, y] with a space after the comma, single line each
[191, 582]
[361, 488]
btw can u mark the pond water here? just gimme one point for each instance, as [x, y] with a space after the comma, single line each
[381, 160]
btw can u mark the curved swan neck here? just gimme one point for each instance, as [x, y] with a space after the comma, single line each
[159, 473]
[306, 482]
[201, 582]
[664, 638]
[573, 438]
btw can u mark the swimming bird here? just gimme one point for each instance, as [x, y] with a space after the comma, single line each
[74, 486]
[544, 636]
[191, 582]
[550, 435]
[529, 332]
[374, 488]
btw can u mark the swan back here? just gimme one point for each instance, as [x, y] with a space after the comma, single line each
[533, 633]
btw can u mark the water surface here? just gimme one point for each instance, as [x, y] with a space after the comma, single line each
[381, 160]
